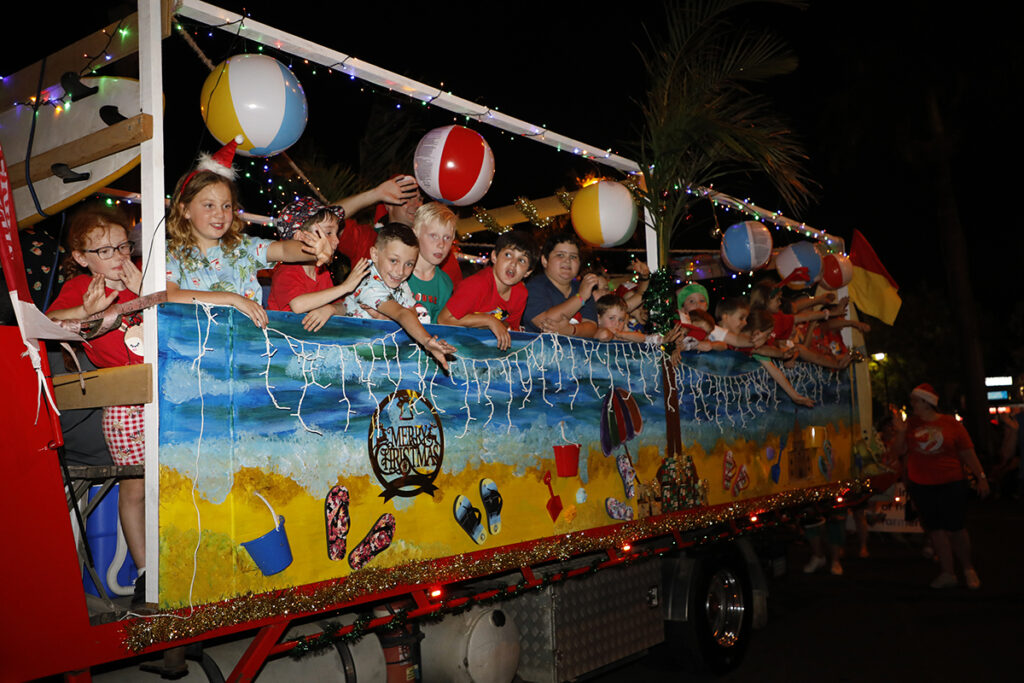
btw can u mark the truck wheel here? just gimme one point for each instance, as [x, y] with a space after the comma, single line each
[719, 615]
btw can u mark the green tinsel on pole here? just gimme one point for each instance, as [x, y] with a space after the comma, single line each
[660, 301]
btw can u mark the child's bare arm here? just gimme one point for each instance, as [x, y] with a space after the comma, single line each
[394, 191]
[410, 322]
[785, 384]
[305, 248]
[249, 308]
[307, 302]
[742, 340]
[479, 320]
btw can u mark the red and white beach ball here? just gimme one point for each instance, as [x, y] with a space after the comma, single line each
[604, 214]
[454, 164]
[799, 255]
[836, 270]
[746, 245]
[257, 97]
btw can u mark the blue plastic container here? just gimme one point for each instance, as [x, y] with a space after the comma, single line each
[101, 534]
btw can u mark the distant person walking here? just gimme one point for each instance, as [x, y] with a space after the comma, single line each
[938, 449]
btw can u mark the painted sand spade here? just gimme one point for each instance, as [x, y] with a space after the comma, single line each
[554, 502]
[376, 541]
[492, 505]
[271, 551]
[469, 518]
[336, 521]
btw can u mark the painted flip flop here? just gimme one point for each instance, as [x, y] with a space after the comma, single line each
[616, 509]
[492, 504]
[376, 541]
[627, 473]
[468, 518]
[728, 470]
[336, 521]
[741, 482]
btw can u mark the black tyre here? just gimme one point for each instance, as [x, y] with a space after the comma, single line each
[719, 615]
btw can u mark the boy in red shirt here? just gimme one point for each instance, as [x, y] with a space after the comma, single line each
[495, 298]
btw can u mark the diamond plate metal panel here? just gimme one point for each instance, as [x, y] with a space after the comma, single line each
[580, 625]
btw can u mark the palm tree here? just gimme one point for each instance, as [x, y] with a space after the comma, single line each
[702, 121]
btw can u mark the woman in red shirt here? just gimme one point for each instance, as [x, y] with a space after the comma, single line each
[938, 448]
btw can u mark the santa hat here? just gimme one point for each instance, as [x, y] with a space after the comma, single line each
[219, 162]
[926, 393]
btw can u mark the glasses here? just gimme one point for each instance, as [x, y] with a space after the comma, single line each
[106, 253]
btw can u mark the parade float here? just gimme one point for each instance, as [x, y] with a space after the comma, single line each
[543, 511]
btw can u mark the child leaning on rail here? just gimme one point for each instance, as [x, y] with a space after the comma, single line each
[760, 320]
[384, 292]
[495, 297]
[101, 272]
[304, 287]
[209, 259]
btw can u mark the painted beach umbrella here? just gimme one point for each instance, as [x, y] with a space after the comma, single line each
[620, 420]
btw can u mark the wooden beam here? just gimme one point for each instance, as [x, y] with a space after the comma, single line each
[510, 215]
[128, 385]
[122, 135]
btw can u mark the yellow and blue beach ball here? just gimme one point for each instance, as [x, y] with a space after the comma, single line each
[257, 97]
[604, 214]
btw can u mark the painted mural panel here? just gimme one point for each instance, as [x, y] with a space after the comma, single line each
[288, 458]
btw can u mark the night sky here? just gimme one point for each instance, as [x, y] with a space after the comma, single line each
[857, 102]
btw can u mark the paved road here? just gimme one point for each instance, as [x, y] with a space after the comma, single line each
[881, 622]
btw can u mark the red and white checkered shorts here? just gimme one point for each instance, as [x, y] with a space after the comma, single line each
[124, 430]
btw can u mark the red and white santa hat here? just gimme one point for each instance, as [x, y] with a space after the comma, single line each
[926, 392]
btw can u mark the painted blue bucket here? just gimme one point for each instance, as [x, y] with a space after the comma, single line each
[271, 551]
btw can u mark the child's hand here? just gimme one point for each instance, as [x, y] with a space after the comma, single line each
[315, 319]
[440, 349]
[317, 244]
[252, 310]
[759, 338]
[640, 268]
[557, 325]
[500, 333]
[131, 277]
[356, 275]
[397, 190]
[588, 284]
[94, 299]
[802, 400]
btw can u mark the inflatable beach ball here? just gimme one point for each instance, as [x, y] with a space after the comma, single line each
[746, 246]
[257, 97]
[836, 270]
[799, 255]
[604, 214]
[454, 164]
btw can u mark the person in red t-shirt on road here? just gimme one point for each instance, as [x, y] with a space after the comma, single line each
[938, 448]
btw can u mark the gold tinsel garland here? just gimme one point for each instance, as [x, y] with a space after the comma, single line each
[565, 198]
[371, 581]
[487, 220]
[529, 209]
